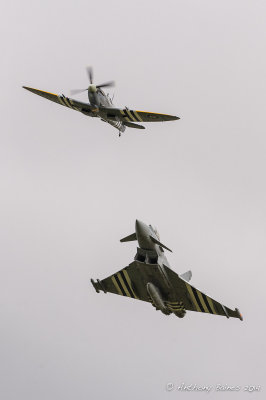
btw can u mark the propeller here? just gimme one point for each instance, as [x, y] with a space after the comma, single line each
[106, 84]
[90, 74]
[77, 91]
[92, 87]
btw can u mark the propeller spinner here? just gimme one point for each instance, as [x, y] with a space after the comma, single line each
[92, 88]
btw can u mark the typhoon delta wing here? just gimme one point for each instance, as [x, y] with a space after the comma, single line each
[149, 278]
[101, 106]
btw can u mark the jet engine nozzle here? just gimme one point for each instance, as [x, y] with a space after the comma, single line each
[180, 314]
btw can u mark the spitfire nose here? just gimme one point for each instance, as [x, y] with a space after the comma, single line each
[92, 88]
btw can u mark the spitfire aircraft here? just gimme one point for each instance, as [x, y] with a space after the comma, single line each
[149, 278]
[101, 106]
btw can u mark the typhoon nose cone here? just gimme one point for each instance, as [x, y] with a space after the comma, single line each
[139, 225]
[143, 235]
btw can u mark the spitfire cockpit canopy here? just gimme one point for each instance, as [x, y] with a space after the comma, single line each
[100, 91]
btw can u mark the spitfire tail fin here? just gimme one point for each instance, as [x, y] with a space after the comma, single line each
[129, 238]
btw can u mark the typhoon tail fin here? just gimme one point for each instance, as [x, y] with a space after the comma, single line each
[186, 275]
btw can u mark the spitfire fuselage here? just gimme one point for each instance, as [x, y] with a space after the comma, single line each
[101, 106]
[98, 98]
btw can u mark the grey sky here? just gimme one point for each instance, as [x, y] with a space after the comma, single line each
[70, 189]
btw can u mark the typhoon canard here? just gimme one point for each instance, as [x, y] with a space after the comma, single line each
[149, 278]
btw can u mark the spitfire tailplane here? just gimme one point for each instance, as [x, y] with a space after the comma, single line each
[131, 125]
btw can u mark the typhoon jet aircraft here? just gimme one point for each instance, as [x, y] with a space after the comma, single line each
[149, 278]
[101, 106]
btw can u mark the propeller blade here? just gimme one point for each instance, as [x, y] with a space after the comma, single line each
[90, 74]
[77, 91]
[107, 84]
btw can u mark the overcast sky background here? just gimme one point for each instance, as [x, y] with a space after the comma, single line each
[70, 189]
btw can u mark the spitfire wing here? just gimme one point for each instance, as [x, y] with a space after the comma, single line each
[61, 99]
[195, 300]
[127, 115]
